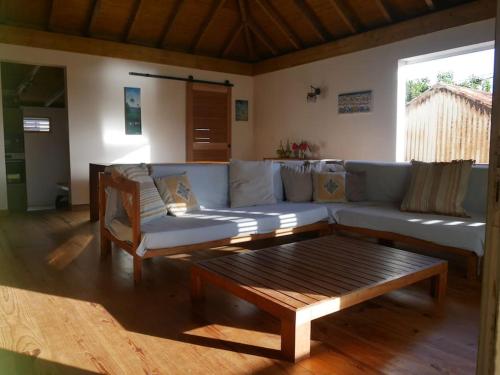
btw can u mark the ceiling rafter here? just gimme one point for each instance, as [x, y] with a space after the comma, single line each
[54, 97]
[280, 23]
[259, 33]
[48, 26]
[384, 9]
[94, 9]
[136, 8]
[170, 21]
[246, 29]
[216, 7]
[430, 4]
[313, 20]
[347, 15]
[234, 35]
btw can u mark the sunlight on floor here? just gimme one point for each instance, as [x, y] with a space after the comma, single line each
[66, 253]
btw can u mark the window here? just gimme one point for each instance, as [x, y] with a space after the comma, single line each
[36, 124]
[444, 105]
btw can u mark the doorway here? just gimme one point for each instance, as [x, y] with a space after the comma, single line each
[36, 138]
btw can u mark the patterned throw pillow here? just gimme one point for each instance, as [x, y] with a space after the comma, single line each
[151, 204]
[438, 187]
[329, 187]
[177, 194]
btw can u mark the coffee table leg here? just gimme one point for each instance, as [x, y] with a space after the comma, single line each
[295, 339]
[438, 285]
[197, 294]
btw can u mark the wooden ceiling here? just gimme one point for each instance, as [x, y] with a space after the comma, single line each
[248, 31]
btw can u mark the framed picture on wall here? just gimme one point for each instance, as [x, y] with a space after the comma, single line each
[241, 110]
[356, 102]
[133, 124]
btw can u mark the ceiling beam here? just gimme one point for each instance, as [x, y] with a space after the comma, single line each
[136, 8]
[430, 4]
[94, 8]
[347, 15]
[234, 35]
[280, 23]
[313, 20]
[259, 33]
[459, 15]
[216, 7]
[51, 15]
[72, 43]
[3, 11]
[384, 9]
[246, 29]
[170, 21]
[54, 98]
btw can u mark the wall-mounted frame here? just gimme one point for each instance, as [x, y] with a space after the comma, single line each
[133, 124]
[241, 110]
[355, 102]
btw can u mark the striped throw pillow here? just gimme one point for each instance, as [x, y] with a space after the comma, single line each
[151, 204]
[438, 187]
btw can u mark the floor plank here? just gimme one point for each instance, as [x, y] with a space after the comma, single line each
[63, 311]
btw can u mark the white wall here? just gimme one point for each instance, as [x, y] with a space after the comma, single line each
[96, 111]
[47, 157]
[281, 110]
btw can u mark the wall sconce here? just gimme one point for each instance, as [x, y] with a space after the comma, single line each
[313, 94]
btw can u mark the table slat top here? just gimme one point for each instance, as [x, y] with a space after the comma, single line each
[306, 273]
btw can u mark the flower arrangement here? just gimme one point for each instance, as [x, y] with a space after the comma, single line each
[297, 150]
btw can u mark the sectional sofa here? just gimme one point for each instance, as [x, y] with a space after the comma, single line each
[217, 224]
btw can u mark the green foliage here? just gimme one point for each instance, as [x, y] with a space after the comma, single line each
[445, 77]
[415, 88]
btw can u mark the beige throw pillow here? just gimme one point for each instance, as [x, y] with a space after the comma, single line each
[251, 183]
[438, 187]
[177, 194]
[329, 187]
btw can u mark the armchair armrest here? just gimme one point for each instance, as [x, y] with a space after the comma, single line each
[123, 185]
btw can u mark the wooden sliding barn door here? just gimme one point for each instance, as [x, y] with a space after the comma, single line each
[208, 122]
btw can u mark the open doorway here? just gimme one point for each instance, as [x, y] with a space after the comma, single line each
[444, 105]
[36, 136]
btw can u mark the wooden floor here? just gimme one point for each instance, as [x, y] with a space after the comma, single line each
[63, 311]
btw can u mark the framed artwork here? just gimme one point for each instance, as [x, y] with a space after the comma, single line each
[356, 102]
[241, 110]
[133, 124]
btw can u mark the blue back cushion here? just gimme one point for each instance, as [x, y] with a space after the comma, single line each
[388, 182]
[210, 182]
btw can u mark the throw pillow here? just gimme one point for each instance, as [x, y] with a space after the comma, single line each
[151, 204]
[355, 186]
[438, 187]
[251, 183]
[177, 194]
[329, 187]
[297, 181]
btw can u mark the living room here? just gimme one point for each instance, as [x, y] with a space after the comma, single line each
[214, 96]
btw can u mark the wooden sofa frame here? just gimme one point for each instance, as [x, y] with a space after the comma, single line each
[389, 238]
[131, 187]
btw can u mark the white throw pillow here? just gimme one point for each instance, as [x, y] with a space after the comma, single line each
[251, 183]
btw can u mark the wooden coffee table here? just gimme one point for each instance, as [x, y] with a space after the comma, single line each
[303, 281]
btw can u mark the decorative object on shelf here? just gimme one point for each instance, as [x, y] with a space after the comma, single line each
[284, 152]
[313, 94]
[241, 110]
[133, 111]
[300, 149]
[356, 102]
